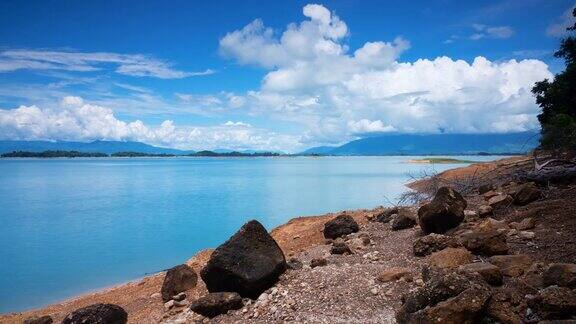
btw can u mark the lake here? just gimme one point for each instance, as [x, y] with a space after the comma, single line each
[69, 226]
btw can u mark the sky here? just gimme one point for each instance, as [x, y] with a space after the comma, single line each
[272, 75]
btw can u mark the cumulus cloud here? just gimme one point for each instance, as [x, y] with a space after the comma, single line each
[133, 65]
[74, 119]
[339, 95]
[558, 28]
[314, 38]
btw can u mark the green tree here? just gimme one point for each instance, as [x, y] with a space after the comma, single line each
[558, 100]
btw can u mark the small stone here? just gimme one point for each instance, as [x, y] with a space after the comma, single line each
[156, 295]
[485, 211]
[450, 258]
[218, 303]
[340, 248]
[500, 201]
[294, 264]
[374, 291]
[525, 224]
[560, 274]
[318, 262]
[526, 235]
[394, 274]
[181, 303]
[169, 304]
[181, 296]
[512, 265]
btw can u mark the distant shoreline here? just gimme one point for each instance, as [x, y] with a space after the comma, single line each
[50, 154]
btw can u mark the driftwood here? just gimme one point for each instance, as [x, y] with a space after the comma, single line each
[550, 175]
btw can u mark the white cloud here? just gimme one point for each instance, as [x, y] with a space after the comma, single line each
[497, 32]
[370, 90]
[314, 38]
[558, 28]
[236, 124]
[133, 65]
[365, 126]
[316, 83]
[76, 120]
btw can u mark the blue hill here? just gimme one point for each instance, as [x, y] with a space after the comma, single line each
[435, 144]
[107, 147]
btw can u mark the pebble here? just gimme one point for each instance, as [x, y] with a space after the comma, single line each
[169, 304]
[374, 291]
[179, 297]
[526, 235]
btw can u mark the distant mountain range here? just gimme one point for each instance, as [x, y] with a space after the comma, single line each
[434, 144]
[108, 147]
[393, 144]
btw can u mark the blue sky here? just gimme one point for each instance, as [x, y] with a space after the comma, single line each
[283, 75]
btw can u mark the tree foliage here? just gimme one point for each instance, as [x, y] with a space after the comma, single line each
[558, 100]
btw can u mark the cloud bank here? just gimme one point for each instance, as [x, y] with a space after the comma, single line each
[314, 80]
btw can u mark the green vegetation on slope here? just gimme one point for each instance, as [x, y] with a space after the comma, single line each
[558, 100]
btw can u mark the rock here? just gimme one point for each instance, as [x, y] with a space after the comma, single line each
[485, 242]
[97, 314]
[450, 298]
[500, 201]
[156, 295]
[178, 279]
[402, 221]
[525, 224]
[431, 243]
[554, 303]
[485, 211]
[180, 297]
[318, 262]
[340, 226]
[340, 248]
[511, 265]
[444, 212]
[248, 263]
[489, 272]
[394, 274]
[294, 264]
[217, 303]
[485, 188]
[450, 258]
[39, 320]
[489, 194]
[525, 194]
[526, 235]
[560, 274]
[508, 303]
[169, 304]
[386, 215]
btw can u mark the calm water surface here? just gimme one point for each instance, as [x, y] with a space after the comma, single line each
[71, 226]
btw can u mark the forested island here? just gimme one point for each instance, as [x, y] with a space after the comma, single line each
[76, 154]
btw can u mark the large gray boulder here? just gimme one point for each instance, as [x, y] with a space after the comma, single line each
[97, 314]
[444, 212]
[248, 263]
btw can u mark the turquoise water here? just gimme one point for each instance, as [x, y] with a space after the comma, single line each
[71, 226]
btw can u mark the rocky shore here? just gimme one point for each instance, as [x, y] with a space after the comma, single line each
[496, 248]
